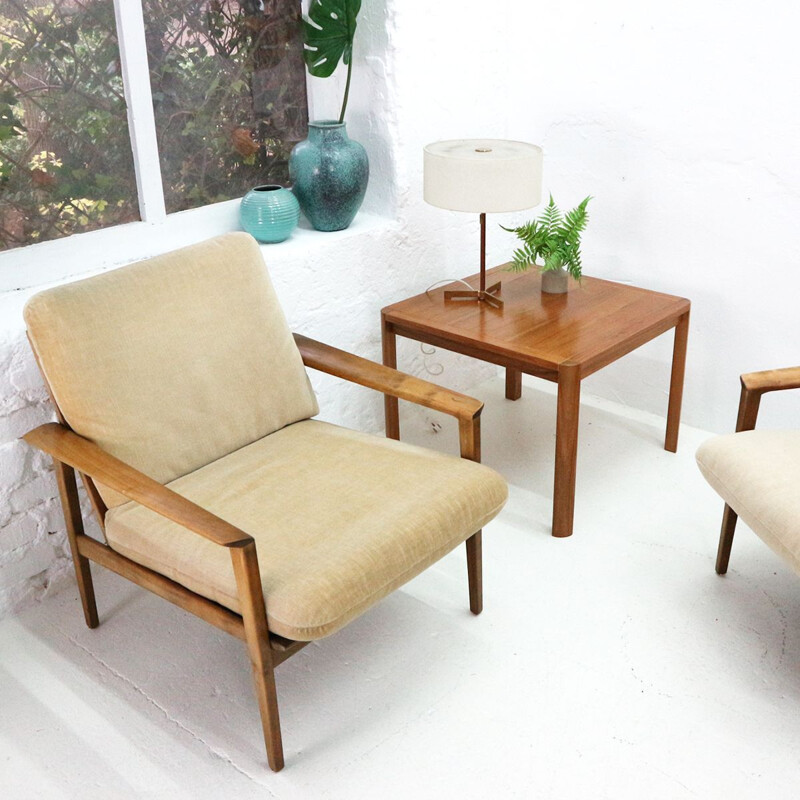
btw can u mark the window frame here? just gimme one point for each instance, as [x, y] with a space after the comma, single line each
[157, 231]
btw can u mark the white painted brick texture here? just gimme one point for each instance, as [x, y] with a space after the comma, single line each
[32, 539]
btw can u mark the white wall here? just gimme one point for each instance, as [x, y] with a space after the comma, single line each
[680, 119]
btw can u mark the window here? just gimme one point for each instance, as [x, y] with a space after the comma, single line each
[65, 157]
[229, 95]
[227, 85]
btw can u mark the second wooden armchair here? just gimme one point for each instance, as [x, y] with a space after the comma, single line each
[184, 404]
[757, 473]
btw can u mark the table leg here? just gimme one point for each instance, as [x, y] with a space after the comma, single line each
[676, 383]
[390, 404]
[513, 384]
[569, 404]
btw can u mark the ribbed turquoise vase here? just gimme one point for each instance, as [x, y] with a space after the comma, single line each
[330, 173]
[269, 213]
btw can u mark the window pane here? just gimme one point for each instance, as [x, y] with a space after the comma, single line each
[229, 94]
[65, 156]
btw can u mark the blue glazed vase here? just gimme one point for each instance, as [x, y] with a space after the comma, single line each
[269, 213]
[330, 173]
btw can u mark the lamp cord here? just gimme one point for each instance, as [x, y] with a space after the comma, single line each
[445, 281]
[437, 368]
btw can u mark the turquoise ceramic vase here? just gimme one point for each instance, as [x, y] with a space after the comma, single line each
[269, 213]
[330, 173]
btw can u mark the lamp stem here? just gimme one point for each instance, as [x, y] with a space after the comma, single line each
[483, 252]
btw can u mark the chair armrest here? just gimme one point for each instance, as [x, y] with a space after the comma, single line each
[772, 380]
[66, 446]
[754, 384]
[385, 379]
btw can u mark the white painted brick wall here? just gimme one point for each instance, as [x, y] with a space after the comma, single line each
[32, 538]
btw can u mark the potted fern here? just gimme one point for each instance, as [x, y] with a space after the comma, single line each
[553, 244]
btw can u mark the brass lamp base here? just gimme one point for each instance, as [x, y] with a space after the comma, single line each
[482, 295]
[485, 296]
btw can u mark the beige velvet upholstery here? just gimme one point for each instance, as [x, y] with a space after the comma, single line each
[173, 362]
[340, 520]
[757, 473]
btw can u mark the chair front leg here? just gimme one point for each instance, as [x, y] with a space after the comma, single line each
[749, 402]
[70, 505]
[469, 434]
[729, 518]
[475, 572]
[254, 616]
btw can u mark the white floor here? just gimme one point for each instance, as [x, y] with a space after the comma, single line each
[614, 664]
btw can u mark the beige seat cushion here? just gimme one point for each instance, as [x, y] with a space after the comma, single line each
[757, 473]
[340, 520]
[173, 362]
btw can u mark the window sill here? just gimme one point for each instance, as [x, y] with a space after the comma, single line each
[305, 239]
[83, 254]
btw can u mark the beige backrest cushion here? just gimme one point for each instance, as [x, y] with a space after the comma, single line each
[173, 362]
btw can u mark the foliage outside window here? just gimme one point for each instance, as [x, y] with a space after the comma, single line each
[229, 97]
[229, 94]
[65, 157]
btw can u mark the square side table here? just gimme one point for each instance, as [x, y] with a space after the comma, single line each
[562, 338]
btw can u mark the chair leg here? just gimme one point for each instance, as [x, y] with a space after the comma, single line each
[254, 616]
[475, 573]
[469, 434]
[70, 505]
[729, 518]
[264, 680]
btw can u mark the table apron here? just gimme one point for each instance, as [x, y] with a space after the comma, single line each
[547, 373]
[629, 345]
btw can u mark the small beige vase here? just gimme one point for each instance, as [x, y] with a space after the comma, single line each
[555, 281]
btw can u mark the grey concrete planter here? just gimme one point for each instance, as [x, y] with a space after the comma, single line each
[555, 281]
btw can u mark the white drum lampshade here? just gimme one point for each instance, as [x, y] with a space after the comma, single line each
[482, 176]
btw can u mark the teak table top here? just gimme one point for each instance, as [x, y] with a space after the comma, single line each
[593, 324]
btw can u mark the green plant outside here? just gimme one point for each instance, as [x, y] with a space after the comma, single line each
[65, 156]
[228, 95]
[553, 238]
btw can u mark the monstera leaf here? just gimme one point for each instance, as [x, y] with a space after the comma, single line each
[329, 30]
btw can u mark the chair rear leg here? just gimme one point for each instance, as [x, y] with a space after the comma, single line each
[70, 505]
[254, 616]
[475, 573]
[729, 518]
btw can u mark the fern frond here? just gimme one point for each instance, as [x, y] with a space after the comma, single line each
[522, 259]
[551, 216]
[554, 260]
[526, 232]
[575, 221]
[574, 265]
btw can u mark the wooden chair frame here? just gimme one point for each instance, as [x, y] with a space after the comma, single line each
[71, 453]
[754, 385]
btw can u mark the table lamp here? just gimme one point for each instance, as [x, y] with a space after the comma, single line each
[482, 176]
